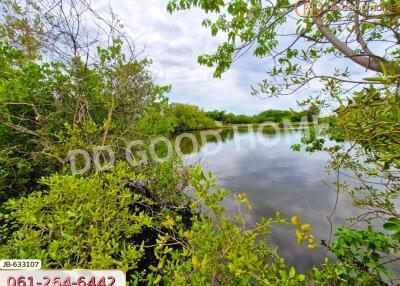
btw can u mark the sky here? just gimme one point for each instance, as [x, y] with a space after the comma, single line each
[175, 41]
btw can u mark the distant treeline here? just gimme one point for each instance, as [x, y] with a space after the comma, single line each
[186, 117]
[270, 115]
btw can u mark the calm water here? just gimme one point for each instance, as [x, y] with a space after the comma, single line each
[275, 178]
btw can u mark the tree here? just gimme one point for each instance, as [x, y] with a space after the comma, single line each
[64, 88]
[216, 115]
[270, 115]
[366, 110]
[257, 26]
[189, 117]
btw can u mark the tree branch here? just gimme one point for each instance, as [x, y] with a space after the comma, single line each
[369, 62]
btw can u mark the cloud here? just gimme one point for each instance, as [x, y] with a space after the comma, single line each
[175, 41]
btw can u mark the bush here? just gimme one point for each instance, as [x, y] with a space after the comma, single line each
[102, 221]
[189, 117]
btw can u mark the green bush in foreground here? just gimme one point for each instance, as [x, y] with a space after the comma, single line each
[113, 221]
[101, 221]
[141, 221]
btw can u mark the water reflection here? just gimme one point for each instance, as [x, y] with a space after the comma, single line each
[275, 179]
[194, 141]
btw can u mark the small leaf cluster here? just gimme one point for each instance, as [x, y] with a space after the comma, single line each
[364, 254]
[302, 233]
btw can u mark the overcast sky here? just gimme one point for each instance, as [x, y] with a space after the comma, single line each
[174, 42]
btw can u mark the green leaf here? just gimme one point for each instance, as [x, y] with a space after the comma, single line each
[301, 277]
[158, 279]
[292, 273]
[389, 226]
[306, 227]
[67, 236]
[295, 221]
[80, 221]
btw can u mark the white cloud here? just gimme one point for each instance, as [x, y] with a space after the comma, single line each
[174, 42]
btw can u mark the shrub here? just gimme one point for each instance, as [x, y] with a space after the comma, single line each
[102, 221]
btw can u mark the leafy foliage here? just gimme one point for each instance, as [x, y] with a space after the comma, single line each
[63, 89]
[44, 114]
[100, 221]
[189, 117]
[277, 116]
[364, 120]
[362, 254]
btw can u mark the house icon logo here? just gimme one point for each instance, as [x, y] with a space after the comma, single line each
[308, 8]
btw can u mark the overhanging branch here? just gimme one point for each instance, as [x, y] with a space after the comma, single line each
[369, 62]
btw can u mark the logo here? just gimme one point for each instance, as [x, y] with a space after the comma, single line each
[308, 8]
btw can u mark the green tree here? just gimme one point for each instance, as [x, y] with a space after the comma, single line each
[366, 110]
[216, 115]
[189, 117]
[54, 97]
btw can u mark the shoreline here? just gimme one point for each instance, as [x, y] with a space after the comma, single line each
[290, 126]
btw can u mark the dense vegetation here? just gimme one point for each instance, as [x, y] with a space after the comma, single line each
[364, 127]
[66, 83]
[271, 115]
[189, 117]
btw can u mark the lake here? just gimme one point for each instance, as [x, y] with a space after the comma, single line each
[275, 178]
